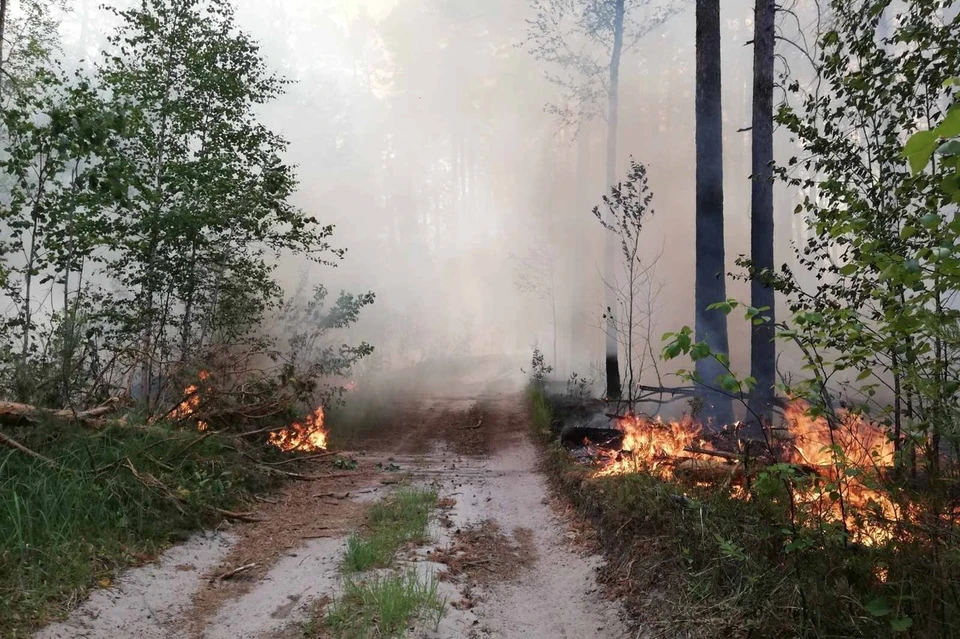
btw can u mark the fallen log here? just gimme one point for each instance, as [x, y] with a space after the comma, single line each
[705, 470]
[15, 414]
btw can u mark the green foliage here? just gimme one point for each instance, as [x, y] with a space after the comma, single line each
[143, 208]
[540, 413]
[400, 519]
[385, 606]
[539, 369]
[64, 527]
[881, 236]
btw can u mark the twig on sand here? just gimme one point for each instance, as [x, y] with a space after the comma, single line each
[233, 573]
[303, 458]
[287, 473]
[238, 516]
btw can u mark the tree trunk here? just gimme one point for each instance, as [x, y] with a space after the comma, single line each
[711, 326]
[582, 204]
[763, 348]
[610, 248]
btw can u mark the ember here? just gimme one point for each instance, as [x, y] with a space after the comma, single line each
[306, 437]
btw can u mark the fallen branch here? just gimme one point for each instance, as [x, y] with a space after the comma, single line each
[696, 450]
[259, 431]
[303, 458]
[19, 414]
[12, 443]
[287, 473]
[233, 573]
[238, 516]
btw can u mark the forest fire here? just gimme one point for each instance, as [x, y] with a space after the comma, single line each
[851, 456]
[191, 402]
[653, 445]
[306, 437]
[843, 463]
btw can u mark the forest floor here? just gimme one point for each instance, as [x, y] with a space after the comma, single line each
[509, 559]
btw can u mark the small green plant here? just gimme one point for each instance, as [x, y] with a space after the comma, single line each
[539, 369]
[344, 463]
[400, 519]
[578, 387]
[385, 606]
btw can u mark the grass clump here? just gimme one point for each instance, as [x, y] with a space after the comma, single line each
[67, 526]
[385, 606]
[400, 519]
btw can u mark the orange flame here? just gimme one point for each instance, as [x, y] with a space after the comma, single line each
[864, 445]
[851, 456]
[307, 437]
[191, 402]
[849, 460]
[652, 445]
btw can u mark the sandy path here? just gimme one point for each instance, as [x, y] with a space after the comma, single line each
[488, 469]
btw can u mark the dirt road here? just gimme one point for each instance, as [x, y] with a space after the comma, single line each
[508, 562]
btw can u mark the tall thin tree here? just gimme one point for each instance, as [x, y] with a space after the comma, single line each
[763, 348]
[610, 243]
[557, 34]
[711, 325]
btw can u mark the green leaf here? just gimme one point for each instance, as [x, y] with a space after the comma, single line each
[901, 624]
[930, 221]
[919, 149]
[950, 127]
[950, 147]
[878, 607]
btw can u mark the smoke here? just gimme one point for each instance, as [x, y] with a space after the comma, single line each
[420, 130]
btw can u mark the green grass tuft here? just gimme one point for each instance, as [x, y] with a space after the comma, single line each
[385, 606]
[400, 519]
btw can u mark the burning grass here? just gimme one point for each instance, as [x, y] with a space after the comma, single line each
[770, 556]
[396, 521]
[72, 526]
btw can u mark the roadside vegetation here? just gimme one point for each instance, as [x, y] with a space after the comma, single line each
[380, 599]
[831, 507]
[144, 209]
[105, 500]
[392, 523]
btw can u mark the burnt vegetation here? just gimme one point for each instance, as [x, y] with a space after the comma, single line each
[829, 503]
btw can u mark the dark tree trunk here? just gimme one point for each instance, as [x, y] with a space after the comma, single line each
[610, 248]
[763, 348]
[711, 326]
